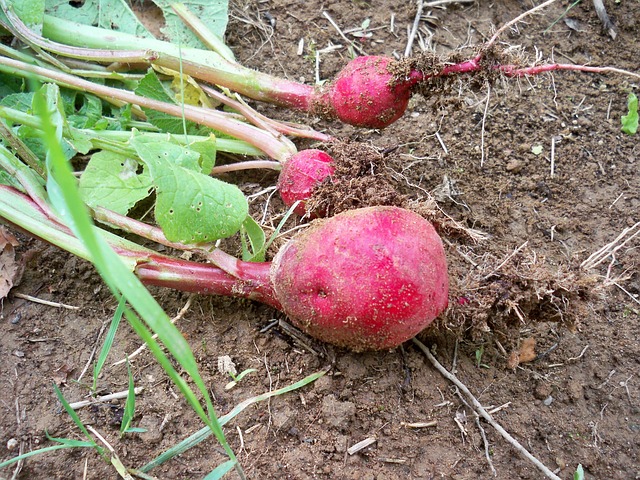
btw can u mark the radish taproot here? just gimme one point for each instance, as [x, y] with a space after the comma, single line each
[366, 279]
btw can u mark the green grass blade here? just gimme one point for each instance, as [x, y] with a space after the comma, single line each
[204, 433]
[221, 470]
[74, 416]
[130, 404]
[108, 342]
[45, 450]
[64, 194]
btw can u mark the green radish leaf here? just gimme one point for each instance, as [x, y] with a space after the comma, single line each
[151, 87]
[630, 121]
[9, 84]
[254, 250]
[207, 150]
[190, 207]
[31, 12]
[112, 181]
[213, 13]
[18, 101]
[109, 14]
[89, 114]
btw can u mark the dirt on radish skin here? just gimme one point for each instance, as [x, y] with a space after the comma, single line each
[364, 94]
[367, 279]
[301, 174]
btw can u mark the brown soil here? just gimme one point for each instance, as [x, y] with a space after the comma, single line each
[528, 329]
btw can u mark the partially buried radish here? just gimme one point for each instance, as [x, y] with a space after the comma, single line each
[366, 279]
[301, 174]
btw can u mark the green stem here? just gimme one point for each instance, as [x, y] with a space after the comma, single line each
[201, 64]
[114, 140]
[210, 39]
[278, 149]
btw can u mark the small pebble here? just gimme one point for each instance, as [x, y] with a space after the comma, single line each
[18, 353]
[17, 317]
[548, 401]
[12, 444]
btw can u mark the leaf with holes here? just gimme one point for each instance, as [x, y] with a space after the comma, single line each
[114, 181]
[191, 207]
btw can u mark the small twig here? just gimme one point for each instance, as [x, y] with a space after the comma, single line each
[105, 398]
[484, 118]
[504, 262]
[93, 352]
[335, 25]
[432, 423]
[486, 446]
[414, 29]
[45, 302]
[599, 256]
[553, 156]
[483, 413]
[604, 18]
[361, 445]
[627, 292]
[438, 3]
[579, 356]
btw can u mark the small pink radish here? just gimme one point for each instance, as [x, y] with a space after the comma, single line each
[365, 94]
[300, 175]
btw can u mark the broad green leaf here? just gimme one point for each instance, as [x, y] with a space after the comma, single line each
[89, 114]
[9, 84]
[190, 207]
[151, 87]
[630, 121]
[112, 181]
[213, 13]
[109, 14]
[31, 12]
[19, 101]
[194, 208]
[207, 150]
[31, 138]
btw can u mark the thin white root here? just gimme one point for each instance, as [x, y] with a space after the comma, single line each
[610, 249]
[516, 20]
[483, 413]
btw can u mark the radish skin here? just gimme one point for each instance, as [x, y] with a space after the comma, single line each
[366, 279]
[300, 175]
[365, 94]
